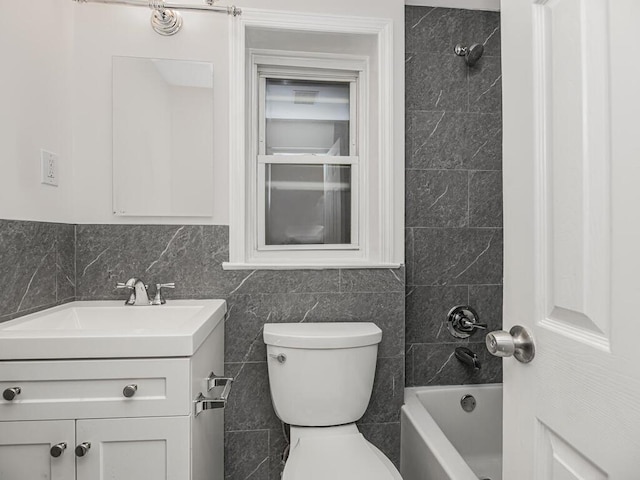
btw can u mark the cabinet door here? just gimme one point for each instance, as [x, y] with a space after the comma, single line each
[134, 449]
[25, 450]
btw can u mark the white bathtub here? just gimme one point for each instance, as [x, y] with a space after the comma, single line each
[441, 441]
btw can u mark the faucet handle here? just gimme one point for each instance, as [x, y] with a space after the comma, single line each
[159, 299]
[123, 285]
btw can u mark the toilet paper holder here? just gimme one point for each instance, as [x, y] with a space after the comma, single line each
[202, 403]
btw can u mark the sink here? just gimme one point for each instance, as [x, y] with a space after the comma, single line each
[109, 329]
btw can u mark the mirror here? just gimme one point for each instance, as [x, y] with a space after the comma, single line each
[162, 137]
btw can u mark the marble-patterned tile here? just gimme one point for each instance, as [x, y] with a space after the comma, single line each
[374, 280]
[436, 364]
[247, 315]
[452, 140]
[107, 254]
[386, 310]
[290, 281]
[429, 29]
[28, 264]
[408, 255]
[388, 392]
[457, 256]
[485, 199]
[249, 406]
[216, 282]
[385, 436]
[485, 86]
[246, 455]
[408, 134]
[436, 82]
[408, 365]
[436, 198]
[426, 312]
[487, 301]
[484, 27]
[65, 262]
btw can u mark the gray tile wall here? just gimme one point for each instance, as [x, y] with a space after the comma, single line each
[37, 263]
[192, 257]
[453, 190]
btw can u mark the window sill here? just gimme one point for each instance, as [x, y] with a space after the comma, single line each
[306, 266]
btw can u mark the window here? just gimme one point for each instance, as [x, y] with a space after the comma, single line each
[307, 160]
[316, 179]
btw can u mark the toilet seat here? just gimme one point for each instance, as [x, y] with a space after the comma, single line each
[335, 453]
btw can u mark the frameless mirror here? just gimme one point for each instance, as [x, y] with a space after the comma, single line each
[162, 137]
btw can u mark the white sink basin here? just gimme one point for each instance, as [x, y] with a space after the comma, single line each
[110, 329]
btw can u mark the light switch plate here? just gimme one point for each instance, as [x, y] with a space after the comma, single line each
[49, 162]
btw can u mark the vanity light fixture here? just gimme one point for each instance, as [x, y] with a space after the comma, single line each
[165, 19]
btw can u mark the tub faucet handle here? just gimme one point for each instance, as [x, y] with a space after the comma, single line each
[463, 321]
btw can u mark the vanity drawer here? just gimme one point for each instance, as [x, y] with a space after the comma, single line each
[95, 388]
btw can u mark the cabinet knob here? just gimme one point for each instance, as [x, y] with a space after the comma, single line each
[10, 393]
[130, 390]
[82, 449]
[58, 449]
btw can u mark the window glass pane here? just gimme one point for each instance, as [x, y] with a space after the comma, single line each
[307, 117]
[308, 204]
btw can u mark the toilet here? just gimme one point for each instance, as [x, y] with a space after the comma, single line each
[321, 378]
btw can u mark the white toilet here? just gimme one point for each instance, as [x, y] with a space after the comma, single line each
[321, 377]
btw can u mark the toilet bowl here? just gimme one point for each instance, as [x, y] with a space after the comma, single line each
[321, 379]
[336, 453]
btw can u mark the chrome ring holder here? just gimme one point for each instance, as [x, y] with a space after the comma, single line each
[164, 21]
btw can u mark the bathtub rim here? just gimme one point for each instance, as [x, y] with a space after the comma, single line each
[449, 458]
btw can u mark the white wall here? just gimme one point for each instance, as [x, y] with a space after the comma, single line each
[55, 92]
[36, 45]
[102, 31]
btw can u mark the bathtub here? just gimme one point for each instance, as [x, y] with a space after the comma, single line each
[441, 441]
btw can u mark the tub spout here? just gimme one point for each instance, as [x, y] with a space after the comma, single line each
[467, 357]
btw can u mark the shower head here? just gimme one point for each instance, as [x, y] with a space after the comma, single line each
[471, 54]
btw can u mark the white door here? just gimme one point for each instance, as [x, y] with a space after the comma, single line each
[26, 450]
[572, 237]
[134, 448]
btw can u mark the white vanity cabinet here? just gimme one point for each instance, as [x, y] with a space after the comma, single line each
[151, 434]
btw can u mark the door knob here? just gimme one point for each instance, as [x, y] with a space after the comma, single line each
[58, 449]
[82, 449]
[10, 393]
[517, 342]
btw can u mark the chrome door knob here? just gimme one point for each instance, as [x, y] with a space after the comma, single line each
[11, 393]
[58, 449]
[130, 390]
[517, 342]
[82, 449]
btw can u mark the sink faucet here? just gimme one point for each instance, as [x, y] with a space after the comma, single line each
[467, 357]
[139, 295]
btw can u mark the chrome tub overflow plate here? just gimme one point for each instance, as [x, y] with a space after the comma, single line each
[468, 403]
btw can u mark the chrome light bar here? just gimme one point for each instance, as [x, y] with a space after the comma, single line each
[165, 19]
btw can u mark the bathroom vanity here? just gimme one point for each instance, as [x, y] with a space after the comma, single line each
[98, 390]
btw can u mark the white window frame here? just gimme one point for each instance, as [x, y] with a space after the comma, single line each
[377, 214]
[355, 143]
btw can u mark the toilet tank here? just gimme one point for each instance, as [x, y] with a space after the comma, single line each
[321, 374]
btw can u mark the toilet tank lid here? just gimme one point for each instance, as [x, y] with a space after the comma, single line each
[322, 335]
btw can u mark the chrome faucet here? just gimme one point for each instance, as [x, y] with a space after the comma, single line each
[467, 357]
[138, 295]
